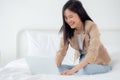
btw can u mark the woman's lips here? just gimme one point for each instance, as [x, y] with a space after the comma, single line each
[71, 24]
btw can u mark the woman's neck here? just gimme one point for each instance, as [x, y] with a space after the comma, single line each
[79, 29]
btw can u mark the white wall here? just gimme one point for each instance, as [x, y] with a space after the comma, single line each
[16, 15]
[105, 13]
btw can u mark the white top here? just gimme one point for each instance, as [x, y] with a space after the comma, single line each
[80, 42]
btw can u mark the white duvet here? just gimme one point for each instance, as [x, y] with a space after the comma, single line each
[19, 70]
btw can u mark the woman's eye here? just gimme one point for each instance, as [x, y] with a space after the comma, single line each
[66, 18]
[70, 16]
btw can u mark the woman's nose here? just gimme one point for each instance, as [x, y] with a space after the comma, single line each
[69, 20]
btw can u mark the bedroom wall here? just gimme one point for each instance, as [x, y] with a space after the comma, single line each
[16, 15]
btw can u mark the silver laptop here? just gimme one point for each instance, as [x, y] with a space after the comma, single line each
[42, 65]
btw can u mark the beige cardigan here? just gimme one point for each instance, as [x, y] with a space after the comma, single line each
[96, 52]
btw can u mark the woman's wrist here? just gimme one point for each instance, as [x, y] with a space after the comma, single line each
[74, 70]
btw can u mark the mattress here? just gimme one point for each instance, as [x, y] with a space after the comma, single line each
[19, 70]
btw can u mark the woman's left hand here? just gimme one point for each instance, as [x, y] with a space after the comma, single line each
[67, 72]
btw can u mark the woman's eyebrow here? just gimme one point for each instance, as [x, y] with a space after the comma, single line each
[68, 15]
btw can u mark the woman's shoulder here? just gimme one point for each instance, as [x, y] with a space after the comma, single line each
[89, 25]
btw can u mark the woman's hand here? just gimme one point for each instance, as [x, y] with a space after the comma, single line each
[67, 72]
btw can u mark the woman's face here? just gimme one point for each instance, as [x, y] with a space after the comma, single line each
[72, 19]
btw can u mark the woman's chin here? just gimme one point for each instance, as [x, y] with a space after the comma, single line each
[72, 27]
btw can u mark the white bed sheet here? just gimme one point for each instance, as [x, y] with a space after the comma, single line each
[19, 70]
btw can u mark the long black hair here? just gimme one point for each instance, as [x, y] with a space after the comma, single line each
[74, 6]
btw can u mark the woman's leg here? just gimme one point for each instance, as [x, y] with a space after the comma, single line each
[96, 68]
[68, 67]
[89, 69]
[65, 67]
[80, 72]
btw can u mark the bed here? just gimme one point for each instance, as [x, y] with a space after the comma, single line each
[31, 43]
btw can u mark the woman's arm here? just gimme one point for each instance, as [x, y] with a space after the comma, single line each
[61, 52]
[82, 64]
[94, 44]
[75, 69]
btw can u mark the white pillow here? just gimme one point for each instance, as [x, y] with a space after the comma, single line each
[42, 44]
[46, 44]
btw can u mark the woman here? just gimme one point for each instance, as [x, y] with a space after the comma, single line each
[82, 34]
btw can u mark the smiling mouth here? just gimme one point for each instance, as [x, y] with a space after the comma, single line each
[71, 24]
